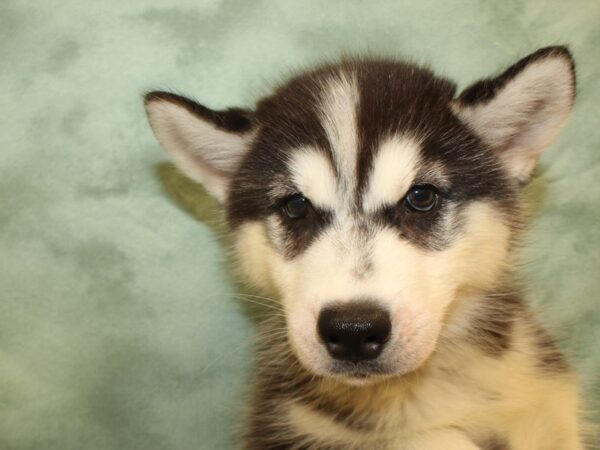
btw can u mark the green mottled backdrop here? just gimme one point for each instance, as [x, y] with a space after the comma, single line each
[117, 325]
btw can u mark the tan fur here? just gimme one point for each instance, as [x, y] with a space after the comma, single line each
[527, 115]
[466, 366]
[418, 286]
[459, 393]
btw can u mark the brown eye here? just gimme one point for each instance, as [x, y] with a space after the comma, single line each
[296, 207]
[422, 198]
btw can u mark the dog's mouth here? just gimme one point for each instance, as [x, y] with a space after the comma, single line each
[360, 372]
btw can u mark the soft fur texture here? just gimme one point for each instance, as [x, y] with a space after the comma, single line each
[354, 139]
[120, 327]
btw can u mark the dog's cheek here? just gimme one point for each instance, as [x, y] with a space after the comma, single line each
[472, 263]
[303, 339]
[256, 261]
[479, 254]
[417, 331]
[263, 267]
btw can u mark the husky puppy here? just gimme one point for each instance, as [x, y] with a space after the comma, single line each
[382, 211]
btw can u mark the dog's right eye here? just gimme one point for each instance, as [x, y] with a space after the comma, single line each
[296, 207]
[422, 198]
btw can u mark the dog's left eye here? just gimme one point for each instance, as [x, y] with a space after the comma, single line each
[296, 207]
[422, 198]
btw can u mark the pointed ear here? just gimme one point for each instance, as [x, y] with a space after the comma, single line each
[206, 145]
[522, 111]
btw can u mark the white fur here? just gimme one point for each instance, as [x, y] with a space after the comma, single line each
[448, 399]
[458, 400]
[453, 400]
[526, 115]
[314, 177]
[416, 286]
[394, 170]
[205, 153]
[338, 116]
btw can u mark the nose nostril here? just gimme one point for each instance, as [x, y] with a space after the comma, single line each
[355, 331]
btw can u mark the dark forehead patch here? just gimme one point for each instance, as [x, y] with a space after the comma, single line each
[287, 120]
[395, 100]
[484, 90]
[495, 443]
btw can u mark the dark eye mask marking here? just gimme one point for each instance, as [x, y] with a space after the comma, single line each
[417, 107]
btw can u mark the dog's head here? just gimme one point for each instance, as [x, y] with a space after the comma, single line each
[370, 197]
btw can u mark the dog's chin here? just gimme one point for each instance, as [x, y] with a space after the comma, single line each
[369, 372]
[349, 373]
[360, 379]
[359, 374]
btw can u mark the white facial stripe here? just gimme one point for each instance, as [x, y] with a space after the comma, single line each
[394, 169]
[338, 116]
[314, 177]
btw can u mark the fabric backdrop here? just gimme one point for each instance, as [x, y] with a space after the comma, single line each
[118, 324]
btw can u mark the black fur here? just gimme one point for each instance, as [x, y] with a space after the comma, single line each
[395, 99]
[550, 358]
[280, 379]
[495, 443]
[484, 90]
[235, 120]
[491, 329]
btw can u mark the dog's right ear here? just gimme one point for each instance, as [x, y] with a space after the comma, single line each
[520, 112]
[206, 145]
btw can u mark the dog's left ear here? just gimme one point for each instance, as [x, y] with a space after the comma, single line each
[522, 111]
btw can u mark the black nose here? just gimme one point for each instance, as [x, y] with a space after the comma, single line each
[354, 331]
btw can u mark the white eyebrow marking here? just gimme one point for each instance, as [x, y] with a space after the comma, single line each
[314, 176]
[338, 116]
[394, 170]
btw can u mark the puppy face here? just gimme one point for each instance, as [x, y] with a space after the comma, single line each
[370, 198]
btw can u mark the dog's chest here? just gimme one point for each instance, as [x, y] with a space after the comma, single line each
[392, 416]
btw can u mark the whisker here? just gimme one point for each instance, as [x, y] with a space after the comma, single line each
[267, 301]
[260, 297]
[242, 346]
